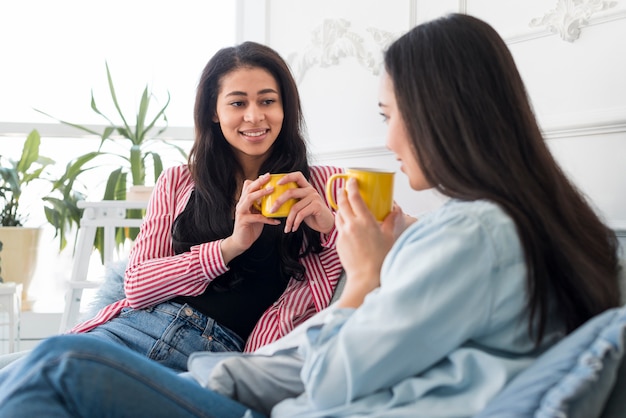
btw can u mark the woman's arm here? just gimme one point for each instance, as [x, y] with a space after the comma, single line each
[154, 273]
[437, 291]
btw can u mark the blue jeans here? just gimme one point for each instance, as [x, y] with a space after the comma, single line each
[83, 376]
[168, 333]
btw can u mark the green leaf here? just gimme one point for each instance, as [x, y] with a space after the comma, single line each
[73, 125]
[10, 178]
[30, 152]
[140, 133]
[17, 174]
[114, 179]
[114, 98]
[137, 167]
[75, 168]
[158, 165]
[160, 114]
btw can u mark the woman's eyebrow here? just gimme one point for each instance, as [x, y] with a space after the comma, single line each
[236, 93]
[243, 93]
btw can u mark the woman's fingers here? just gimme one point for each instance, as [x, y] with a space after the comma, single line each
[252, 192]
[357, 204]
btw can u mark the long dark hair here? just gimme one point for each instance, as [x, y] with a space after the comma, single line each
[476, 137]
[216, 171]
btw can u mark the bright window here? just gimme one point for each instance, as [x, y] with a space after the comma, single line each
[53, 54]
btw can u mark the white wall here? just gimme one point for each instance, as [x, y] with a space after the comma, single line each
[577, 85]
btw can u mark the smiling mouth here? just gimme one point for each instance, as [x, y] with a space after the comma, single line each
[254, 134]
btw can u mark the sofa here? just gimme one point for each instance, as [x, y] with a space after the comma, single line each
[583, 376]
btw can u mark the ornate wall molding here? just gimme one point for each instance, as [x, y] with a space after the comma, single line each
[569, 16]
[333, 40]
[356, 153]
[604, 121]
[588, 129]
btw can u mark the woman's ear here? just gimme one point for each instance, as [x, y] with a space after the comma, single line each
[215, 119]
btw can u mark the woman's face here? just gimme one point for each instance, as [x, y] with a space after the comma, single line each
[250, 113]
[398, 140]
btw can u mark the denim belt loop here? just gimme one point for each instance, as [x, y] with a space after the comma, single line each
[208, 328]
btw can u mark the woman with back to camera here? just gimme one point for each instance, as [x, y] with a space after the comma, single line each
[432, 322]
[208, 271]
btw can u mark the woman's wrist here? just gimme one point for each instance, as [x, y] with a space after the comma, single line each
[356, 290]
[331, 222]
[228, 250]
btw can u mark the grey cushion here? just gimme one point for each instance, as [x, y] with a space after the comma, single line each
[573, 379]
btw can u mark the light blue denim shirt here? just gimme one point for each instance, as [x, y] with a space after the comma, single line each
[446, 330]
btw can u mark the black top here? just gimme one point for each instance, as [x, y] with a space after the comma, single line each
[238, 298]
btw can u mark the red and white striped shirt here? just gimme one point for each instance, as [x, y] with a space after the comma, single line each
[155, 274]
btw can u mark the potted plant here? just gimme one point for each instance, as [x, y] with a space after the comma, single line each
[20, 243]
[136, 151]
[136, 141]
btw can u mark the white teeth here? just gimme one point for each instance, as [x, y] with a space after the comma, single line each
[254, 133]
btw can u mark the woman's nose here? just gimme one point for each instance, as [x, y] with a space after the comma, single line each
[254, 114]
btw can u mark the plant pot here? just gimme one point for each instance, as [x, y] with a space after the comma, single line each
[18, 258]
[139, 193]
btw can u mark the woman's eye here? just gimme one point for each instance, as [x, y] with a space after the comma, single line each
[268, 101]
[236, 104]
[385, 117]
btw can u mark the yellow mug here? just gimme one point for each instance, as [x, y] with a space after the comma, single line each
[268, 200]
[375, 187]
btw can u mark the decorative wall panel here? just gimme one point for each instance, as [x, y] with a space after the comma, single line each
[567, 18]
[570, 54]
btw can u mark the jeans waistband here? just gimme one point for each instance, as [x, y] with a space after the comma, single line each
[198, 319]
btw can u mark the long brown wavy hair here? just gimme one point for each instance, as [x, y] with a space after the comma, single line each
[476, 137]
[216, 171]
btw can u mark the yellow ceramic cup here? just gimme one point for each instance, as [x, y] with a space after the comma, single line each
[375, 186]
[268, 201]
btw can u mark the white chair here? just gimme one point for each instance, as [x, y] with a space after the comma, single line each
[11, 307]
[108, 214]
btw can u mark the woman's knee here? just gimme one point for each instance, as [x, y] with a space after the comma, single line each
[61, 344]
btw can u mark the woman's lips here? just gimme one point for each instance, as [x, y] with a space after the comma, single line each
[257, 135]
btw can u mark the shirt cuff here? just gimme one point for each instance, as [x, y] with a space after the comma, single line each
[211, 259]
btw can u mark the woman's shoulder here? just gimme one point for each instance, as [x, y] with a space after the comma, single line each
[172, 190]
[177, 174]
[460, 217]
[481, 211]
[477, 235]
[174, 182]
